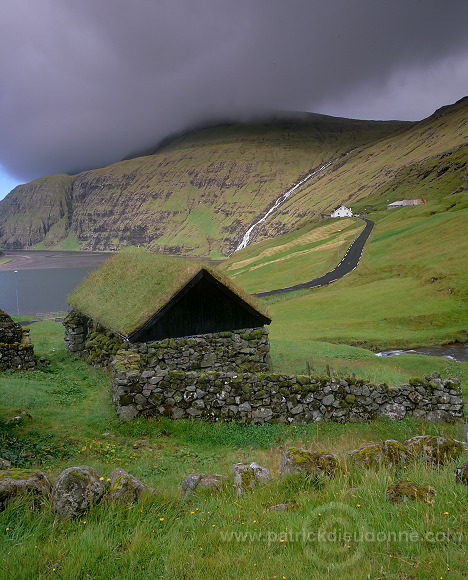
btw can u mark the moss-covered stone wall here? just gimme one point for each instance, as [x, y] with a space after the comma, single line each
[17, 356]
[242, 350]
[16, 350]
[259, 398]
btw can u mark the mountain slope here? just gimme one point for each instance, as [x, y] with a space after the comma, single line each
[195, 196]
[200, 193]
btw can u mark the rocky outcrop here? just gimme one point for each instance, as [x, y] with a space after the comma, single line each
[248, 476]
[312, 463]
[434, 449]
[125, 488]
[389, 452]
[202, 481]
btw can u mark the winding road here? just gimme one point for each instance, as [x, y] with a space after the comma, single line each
[348, 264]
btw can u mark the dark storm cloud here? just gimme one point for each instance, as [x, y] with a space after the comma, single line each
[85, 83]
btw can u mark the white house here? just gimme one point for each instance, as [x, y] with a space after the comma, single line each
[341, 211]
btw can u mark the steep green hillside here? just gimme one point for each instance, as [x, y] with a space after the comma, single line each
[197, 195]
[428, 160]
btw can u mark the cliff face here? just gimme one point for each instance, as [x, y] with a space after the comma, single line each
[199, 194]
[31, 212]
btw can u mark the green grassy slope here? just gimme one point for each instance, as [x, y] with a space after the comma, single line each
[200, 193]
[410, 288]
[33, 210]
[428, 160]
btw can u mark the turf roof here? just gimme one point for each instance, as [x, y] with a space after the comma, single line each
[133, 285]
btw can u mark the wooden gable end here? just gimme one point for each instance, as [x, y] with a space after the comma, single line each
[204, 305]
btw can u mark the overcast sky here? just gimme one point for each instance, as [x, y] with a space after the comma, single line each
[85, 82]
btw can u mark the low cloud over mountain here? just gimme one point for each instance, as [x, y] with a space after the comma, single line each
[85, 83]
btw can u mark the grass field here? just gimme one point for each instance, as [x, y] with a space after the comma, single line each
[344, 526]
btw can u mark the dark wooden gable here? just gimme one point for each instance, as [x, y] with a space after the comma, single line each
[202, 306]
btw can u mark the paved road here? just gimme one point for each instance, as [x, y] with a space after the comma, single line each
[347, 265]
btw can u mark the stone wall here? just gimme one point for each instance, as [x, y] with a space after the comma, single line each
[17, 356]
[243, 350]
[16, 350]
[259, 398]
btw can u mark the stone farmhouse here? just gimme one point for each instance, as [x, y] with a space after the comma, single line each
[188, 314]
[181, 340]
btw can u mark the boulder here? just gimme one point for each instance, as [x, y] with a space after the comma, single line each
[313, 463]
[20, 482]
[367, 455]
[212, 481]
[76, 490]
[434, 449]
[393, 411]
[125, 488]
[4, 463]
[247, 476]
[406, 490]
[461, 474]
[396, 452]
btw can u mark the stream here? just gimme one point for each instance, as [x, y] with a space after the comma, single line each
[456, 351]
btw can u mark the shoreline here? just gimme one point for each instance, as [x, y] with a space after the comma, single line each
[45, 259]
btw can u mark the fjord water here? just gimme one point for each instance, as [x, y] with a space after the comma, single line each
[39, 291]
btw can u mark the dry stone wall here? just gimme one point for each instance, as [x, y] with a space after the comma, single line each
[17, 356]
[16, 350]
[242, 350]
[226, 376]
[259, 398]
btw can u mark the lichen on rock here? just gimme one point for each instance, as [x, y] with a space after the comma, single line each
[248, 476]
[19, 482]
[313, 463]
[126, 488]
[76, 490]
[434, 449]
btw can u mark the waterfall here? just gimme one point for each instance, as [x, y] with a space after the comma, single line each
[281, 199]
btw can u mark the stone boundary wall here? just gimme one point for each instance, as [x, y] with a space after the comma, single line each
[17, 355]
[259, 398]
[242, 350]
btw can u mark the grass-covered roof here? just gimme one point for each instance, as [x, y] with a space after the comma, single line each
[135, 284]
